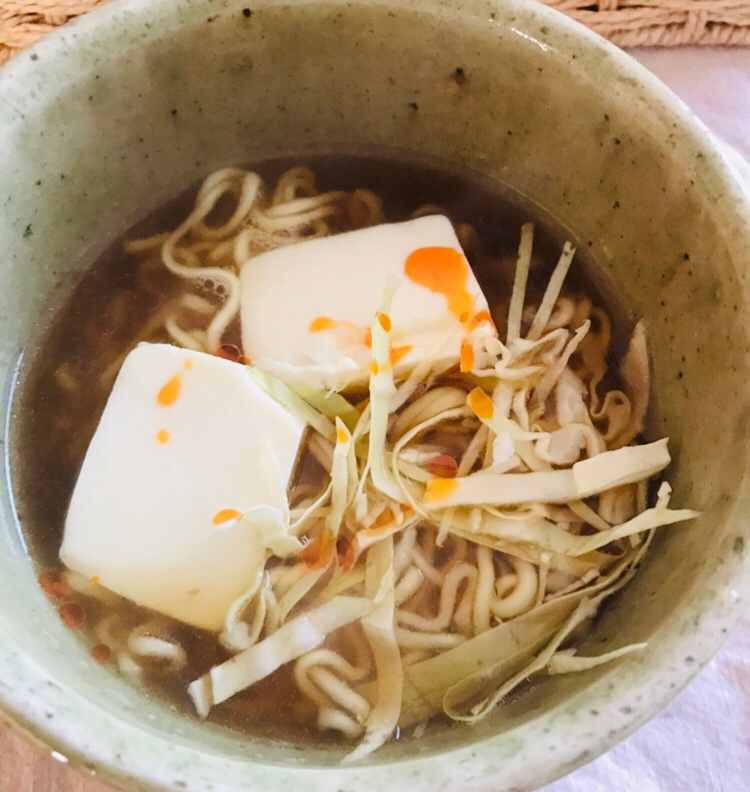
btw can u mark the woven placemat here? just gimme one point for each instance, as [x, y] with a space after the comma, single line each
[628, 23]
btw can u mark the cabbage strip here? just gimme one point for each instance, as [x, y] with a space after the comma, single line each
[289, 642]
[379, 629]
[283, 394]
[382, 390]
[587, 477]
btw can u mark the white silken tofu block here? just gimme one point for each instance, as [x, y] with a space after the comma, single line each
[290, 294]
[184, 437]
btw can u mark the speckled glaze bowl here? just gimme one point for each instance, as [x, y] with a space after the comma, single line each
[103, 121]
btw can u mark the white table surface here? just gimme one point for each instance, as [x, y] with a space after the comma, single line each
[700, 742]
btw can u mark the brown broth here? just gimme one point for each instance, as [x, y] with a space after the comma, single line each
[59, 397]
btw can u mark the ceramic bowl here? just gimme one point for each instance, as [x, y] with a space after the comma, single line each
[104, 120]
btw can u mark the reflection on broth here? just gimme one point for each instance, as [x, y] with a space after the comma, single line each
[347, 483]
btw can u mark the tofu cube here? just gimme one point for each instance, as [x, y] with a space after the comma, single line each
[186, 444]
[307, 308]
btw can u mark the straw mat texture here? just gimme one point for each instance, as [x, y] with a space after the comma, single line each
[628, 23]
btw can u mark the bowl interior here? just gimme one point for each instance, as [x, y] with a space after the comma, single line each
[116, 114]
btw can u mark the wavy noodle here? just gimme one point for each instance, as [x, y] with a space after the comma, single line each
[447, 605]
[515, 593]
[411, 581]
[325, 677]
[211, 253]
[147, 647]
[150, 648]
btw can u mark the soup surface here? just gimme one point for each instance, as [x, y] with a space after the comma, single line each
[457, 572]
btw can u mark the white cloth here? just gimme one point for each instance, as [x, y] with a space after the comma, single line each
[700, 742]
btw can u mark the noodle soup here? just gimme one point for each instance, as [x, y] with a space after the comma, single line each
[463, 492]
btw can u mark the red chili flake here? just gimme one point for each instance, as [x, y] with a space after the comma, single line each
[72, 615]
[54, 584]
[232, 353]
[101, 653]
[443, 465]
[318, 551]
[345, 553]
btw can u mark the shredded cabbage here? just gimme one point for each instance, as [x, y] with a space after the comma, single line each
[544, 312]
[484, 683]
[503, 653]
[293, 402]
[332, 405]
[382, 390]
[273, 526]
[379, 628]
[523, 264]
[585, 478]
[520, 466]
[343, 454]
[566, 662]
[289, 642]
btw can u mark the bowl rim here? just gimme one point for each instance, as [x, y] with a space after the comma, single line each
[95, 741]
